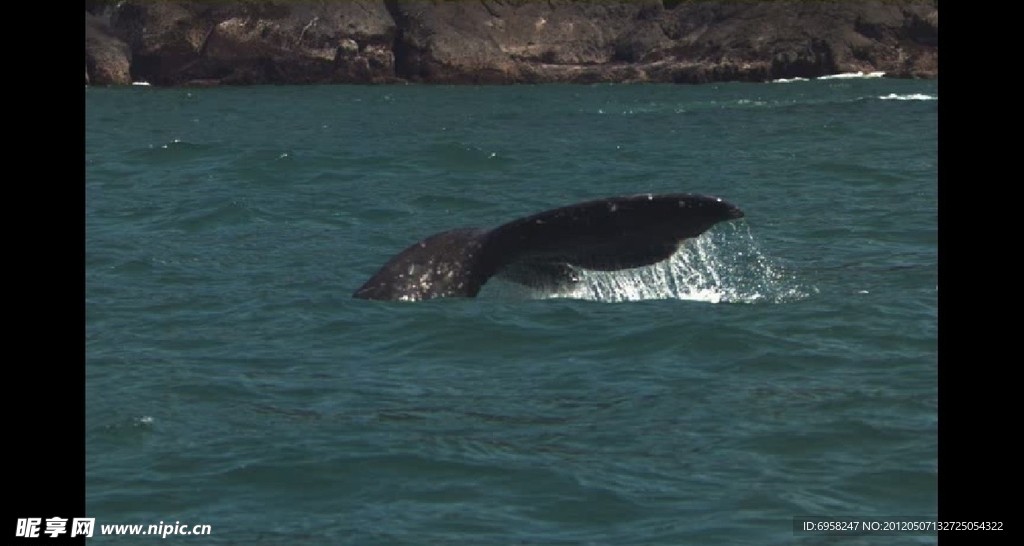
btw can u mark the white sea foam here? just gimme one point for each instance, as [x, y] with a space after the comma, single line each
[913, 96]
[141, 84]
[850, 75]
[724, 265]
[790, 80]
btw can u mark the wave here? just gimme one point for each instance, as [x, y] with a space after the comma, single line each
[851, 75]
[790, 80]
[912, 96]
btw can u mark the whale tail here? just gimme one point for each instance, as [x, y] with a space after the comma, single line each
[546, 249]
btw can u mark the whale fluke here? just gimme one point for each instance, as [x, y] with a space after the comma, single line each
[546, 249]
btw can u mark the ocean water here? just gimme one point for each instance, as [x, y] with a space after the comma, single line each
[782, 365]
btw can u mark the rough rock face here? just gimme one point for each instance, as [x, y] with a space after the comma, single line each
[181, 42]
[172, 42]
[495, 41]
[107, 59]
[648, 40]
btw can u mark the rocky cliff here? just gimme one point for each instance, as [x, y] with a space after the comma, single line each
[175, 42]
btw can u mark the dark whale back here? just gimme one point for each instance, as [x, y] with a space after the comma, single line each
[442, 265]
[543, 249]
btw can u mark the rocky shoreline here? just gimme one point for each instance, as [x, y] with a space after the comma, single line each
[176, 42]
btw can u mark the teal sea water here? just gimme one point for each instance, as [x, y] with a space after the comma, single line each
[781, 365]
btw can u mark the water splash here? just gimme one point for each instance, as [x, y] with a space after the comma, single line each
[724, 265]
[851, 75]
[912, 96]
